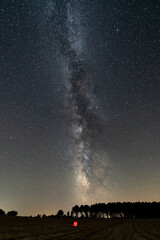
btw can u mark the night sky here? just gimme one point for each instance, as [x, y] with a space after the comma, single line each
[79, 103]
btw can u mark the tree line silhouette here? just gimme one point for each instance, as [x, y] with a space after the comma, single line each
[118, 209]
[10, 213]
[109, 210]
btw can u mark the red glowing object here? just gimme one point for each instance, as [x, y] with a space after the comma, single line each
[75, 224]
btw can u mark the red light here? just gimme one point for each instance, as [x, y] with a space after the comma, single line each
[75, 224]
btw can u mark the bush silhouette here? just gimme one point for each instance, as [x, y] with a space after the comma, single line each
[12, 213]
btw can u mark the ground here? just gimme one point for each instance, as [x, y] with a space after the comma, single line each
[16, 228]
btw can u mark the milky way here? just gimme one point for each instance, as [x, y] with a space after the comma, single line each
[84, 118]
[79, 103]
[89, 167]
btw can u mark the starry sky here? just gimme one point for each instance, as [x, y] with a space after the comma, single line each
[79, 103]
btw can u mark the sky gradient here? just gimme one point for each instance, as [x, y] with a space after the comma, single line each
[79, 103]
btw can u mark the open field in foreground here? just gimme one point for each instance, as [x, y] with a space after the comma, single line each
[14, 228]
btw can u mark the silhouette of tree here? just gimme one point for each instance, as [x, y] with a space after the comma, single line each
[82, 210]
[12, 213]
[60, 213]
[86, 210]
[93, 210]
[2, 213]
[76, 210]
[68, 215]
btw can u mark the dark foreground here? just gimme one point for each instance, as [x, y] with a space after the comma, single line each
[14, 228]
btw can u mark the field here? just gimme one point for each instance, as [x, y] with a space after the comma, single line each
[16, 228]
